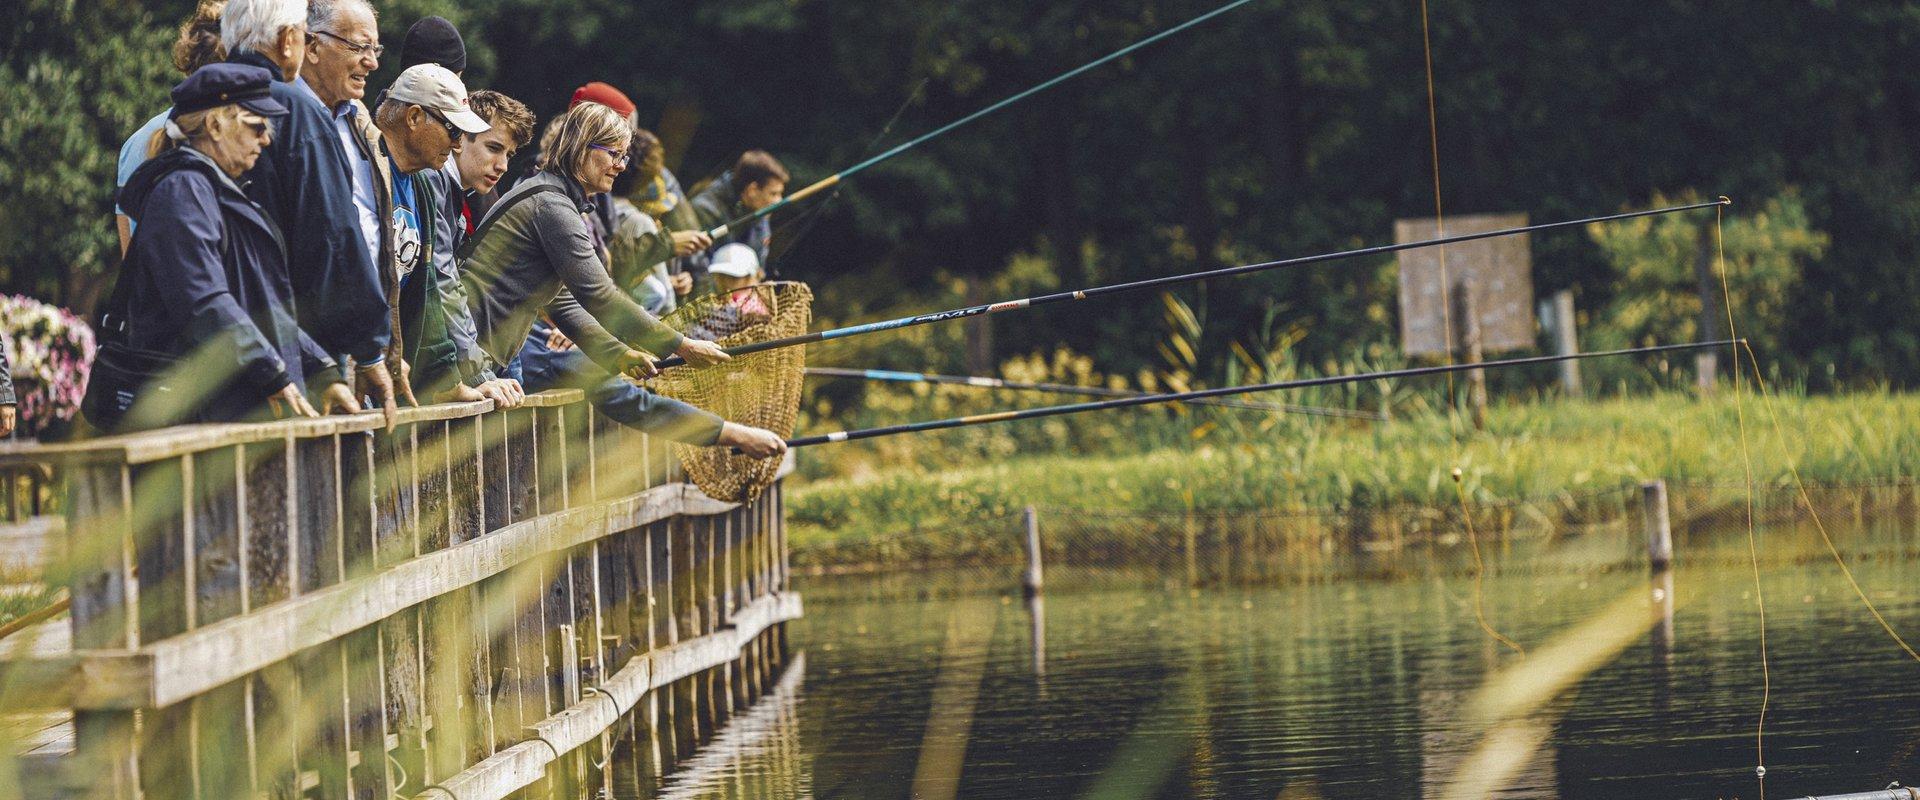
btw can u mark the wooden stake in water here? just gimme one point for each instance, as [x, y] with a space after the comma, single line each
[1654, 515]
[1032, 581]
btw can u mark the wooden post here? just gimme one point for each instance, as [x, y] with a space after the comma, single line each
[1566, 342]
[1033, 579]
[1466, 321]
[1654, 515]
[1712, 316]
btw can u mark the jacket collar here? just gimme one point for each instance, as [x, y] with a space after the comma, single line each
[257, 59]
[572, 187]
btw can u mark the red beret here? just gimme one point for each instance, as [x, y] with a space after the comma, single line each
[604, 94]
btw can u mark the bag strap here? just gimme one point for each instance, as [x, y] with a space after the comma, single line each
[467, 247]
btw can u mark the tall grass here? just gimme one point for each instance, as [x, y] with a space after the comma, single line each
[1529, 450]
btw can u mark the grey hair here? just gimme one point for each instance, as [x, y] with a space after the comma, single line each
[321, 13]
[256, 24]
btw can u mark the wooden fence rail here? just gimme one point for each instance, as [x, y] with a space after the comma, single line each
[479, 603]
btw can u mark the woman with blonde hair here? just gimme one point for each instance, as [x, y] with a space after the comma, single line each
[534, 251]
[213, 336]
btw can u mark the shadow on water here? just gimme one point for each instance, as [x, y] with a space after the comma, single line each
[1134, 683]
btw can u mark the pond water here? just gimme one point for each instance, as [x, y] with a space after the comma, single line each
[927, 684]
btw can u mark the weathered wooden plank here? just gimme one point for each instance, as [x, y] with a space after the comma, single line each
[223, 765]
[273, 693]
[215, 500]
[358, 510]
[550, 437]
[268, 522]
[102, 558]
[366, 717]
[321, 722]
[523, 462]
[319, 557]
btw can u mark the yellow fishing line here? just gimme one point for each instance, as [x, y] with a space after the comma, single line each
[1800, 486]
[1439, 219]
[1753, 535]
[1479, 569]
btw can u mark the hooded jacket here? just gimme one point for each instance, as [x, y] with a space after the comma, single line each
[540, 253]
[206, 273]
[304, 183]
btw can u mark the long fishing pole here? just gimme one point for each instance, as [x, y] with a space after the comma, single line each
[1170, 280]
[1064, 388]
[849, 172]
[1075, 408]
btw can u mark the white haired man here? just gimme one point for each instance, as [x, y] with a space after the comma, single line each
[305, 183]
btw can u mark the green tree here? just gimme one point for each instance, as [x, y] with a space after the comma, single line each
[1670, 289]
[77, 77]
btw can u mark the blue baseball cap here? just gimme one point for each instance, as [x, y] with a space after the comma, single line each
[216, 85]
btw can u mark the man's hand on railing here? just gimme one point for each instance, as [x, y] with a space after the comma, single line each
[504, 392]
[374, 381]
[338, 399]
[288, 402]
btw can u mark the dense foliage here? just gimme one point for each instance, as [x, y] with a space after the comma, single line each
[1283, 128]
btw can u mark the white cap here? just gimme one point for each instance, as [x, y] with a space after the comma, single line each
[735, 260]
[435, 87]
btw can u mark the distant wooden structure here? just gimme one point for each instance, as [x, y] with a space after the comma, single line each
[1497, 271]
[479, 604]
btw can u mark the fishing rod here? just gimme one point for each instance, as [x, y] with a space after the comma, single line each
[1171, 280]
[1063, 388]
[849, 172]
[1075, 408]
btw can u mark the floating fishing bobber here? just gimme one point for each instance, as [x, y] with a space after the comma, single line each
[1456, 474]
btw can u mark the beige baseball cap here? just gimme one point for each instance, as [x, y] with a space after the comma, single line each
[436, 87]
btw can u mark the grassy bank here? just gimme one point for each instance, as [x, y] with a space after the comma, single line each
[1529, 450]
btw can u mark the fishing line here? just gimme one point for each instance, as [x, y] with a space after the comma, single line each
[1228, 391]
[1171, 280]
[1753, 535]
[1800, 486]
[811, 219]
[1063, 388]
[1446, 332]
[849, 172]
[1439, 219]
[1479, 569]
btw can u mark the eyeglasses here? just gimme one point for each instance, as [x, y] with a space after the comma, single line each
[620, 157]
[354, 47]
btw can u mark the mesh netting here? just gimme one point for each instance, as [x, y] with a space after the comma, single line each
[759, 389]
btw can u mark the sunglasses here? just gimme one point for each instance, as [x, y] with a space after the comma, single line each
[620, 157]
[453, 133]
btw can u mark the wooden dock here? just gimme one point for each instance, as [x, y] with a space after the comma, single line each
[481, 603]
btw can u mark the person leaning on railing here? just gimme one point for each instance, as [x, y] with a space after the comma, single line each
[534, 251]
[203, 289]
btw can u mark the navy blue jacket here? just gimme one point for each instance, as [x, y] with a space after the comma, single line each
[206, 274]
[304, 182]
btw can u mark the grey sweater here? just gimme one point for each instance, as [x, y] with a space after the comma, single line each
[541, 254]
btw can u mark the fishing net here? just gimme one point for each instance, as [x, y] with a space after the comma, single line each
[759, 389]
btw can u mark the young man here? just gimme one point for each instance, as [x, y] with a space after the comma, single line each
[474, 170]
[756, 181]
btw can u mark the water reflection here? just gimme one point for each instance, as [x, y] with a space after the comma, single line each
[1119, 685]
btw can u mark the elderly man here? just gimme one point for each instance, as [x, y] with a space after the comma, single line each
[422, 119]
[343, 48]
[305, 183]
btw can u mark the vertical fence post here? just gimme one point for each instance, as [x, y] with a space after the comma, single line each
[1654, 515]
[1466, 319]
[1032, 581]
[1565, 341]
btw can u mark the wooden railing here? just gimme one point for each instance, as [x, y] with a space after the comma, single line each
[477, 604]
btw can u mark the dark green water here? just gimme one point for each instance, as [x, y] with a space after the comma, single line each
[1343, 688]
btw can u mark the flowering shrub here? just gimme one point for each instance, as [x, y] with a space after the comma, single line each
[50, 351]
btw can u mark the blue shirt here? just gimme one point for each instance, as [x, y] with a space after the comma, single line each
[406, 224]
[134, 153]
